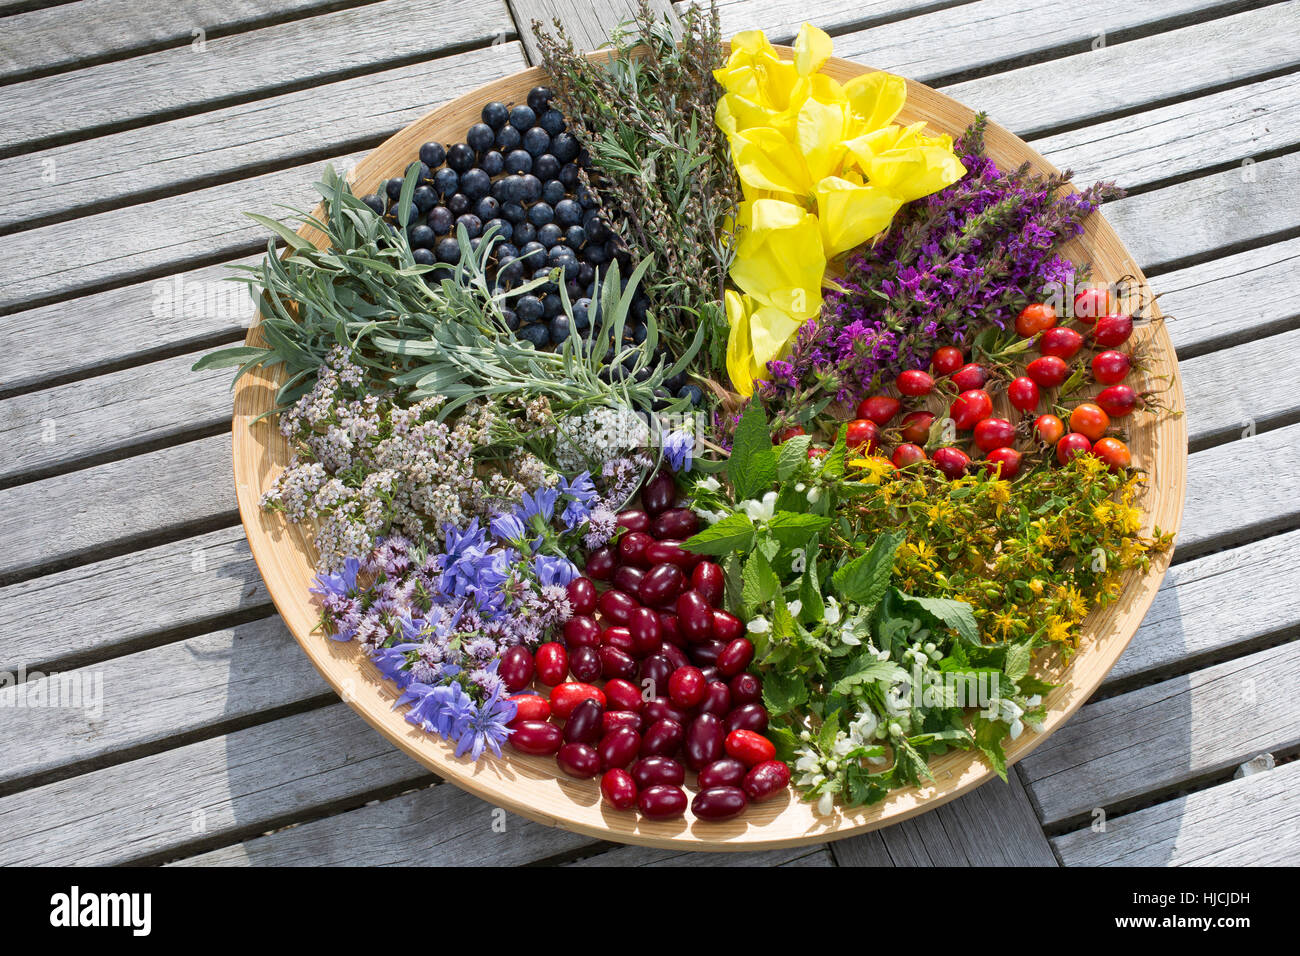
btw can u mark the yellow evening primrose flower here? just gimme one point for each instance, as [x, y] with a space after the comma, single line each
[758, 333]
[849, 212]
[823, 168]
[779, 259]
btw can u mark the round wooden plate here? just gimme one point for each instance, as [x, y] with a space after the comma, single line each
[532, 786]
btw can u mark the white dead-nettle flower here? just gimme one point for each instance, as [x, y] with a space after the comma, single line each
[831, 611]
[759, 625]
[760, 510]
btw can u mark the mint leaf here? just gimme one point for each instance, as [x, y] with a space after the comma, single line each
[989, 735]
[759, 583]
[732, 577]
[752, 466]
[810, 589]
[947, 612]
[794, 529]
[1017, 661]
[791, 455]
[865, 668]
[782, 693]
[732, 533]
[833, 460]
[785, 740]
[865, 579]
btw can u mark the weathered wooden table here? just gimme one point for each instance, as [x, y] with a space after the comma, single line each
[166, 716]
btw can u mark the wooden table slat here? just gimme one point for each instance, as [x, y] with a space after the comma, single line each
[587, 22]
[204, 582]
[143, 700]
[1254, 821]
[129, 503]
[121, 167]
[992, 826]
[1102, 84]
[1159, 737]
[220, 788]
[260, 62]
[41, 41]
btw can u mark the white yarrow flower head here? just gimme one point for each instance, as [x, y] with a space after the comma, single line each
[759, 625]
[760, 511]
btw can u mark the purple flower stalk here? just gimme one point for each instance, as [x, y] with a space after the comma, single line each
[953, 264]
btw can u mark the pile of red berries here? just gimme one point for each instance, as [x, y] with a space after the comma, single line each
[676, 692]
[968, 384]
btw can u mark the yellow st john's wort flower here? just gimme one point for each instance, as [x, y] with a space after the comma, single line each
[874, 468]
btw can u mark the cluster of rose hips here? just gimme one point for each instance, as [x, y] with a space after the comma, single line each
[966, 386]
[676, 694]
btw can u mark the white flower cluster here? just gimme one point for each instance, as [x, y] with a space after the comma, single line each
[589, 440]
[363, 466]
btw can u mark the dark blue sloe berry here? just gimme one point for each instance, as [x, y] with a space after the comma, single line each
[492, 163]
[460, 157]
[537, 141]
[480, 137]
[495, 114]
[539, 97]
[433, 155]
[522, 117]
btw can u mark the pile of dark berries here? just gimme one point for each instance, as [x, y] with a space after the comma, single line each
[519, 171]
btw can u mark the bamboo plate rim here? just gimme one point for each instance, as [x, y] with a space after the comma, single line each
[532, 786]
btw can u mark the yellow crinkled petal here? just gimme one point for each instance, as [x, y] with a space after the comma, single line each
[875, 99]
[867, 146]
[740, 353]
[812, 48]
[914, 172]
[850, 213]
[755, 71]
[770, 330]
[779, 259]
[820, 137]
[736, 113]
[764, 159]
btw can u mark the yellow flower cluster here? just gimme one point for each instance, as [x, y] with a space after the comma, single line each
[824, 169]
[1032, 557]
